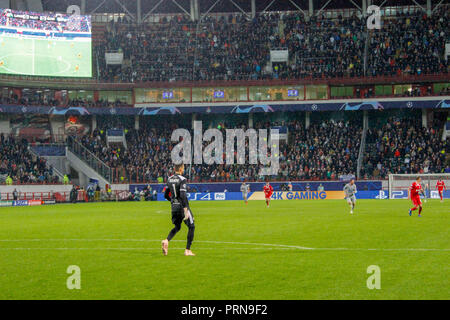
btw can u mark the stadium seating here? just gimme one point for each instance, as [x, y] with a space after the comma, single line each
[324, 151]
[409, 45]
[17, 162]
[234, 48]
[404, 146]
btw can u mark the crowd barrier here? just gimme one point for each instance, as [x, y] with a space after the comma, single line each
[301, 195]
[258, 186]
[25, 203]
[225, 196]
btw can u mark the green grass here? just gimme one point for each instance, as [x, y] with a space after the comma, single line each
[41, 57]
[127, 269]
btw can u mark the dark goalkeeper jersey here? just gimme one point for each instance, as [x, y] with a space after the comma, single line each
[176, 192]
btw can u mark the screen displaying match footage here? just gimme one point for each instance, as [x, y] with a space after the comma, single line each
[45, 44]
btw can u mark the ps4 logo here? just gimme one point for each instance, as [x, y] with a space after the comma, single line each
[219, 196]
[199, 196]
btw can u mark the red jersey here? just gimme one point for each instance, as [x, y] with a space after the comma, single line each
[440, 185]
[415, 189]
[268, 190]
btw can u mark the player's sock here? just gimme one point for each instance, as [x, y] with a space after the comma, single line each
[173, 232]
[414, 208]
[420, 210]
[190, 237]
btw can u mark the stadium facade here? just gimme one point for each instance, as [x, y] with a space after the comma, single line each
[347, 97]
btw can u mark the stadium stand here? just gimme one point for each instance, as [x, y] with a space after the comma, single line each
[17, 162]
[410, 44]
[234, 48]
[403, 145]
[324, 151]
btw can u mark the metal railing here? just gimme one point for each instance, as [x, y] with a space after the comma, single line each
[56, 172]
[362, 146]
[89, 158]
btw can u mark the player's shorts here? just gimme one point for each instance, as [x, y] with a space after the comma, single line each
[267, 196]
[351, 199]
[178, 218]
[416, 201]
[244, 195]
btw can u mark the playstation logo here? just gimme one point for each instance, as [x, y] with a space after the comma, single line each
[382, 195]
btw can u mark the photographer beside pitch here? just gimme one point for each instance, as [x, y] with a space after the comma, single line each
[176, 194]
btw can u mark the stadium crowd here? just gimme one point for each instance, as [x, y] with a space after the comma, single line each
[18, 165]
[46, 100]
[324, 151]
[404, 146]
[410, 44]
[235, 47]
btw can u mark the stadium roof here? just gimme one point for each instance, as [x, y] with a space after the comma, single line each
[213, 6]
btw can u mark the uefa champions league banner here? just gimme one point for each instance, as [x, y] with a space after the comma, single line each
[152, 110]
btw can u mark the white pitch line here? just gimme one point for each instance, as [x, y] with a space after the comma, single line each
[142, 249]
[280, 246]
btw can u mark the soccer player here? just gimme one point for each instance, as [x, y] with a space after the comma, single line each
[414, 193]
[350, 194]
[268, 191]
[440, 186]
[245, 189]
[176, 194]
[425, 192]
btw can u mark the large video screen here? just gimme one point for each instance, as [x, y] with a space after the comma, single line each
[45, 44]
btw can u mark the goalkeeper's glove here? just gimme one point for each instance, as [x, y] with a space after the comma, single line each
[187, 214]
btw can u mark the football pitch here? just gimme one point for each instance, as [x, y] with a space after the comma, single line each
[45, 57]
[305, 249]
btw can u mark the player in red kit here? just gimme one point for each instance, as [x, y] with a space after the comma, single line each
[440, 186]
[268, 191]
[414, 193]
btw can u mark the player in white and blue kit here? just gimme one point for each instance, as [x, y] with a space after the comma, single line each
[245, 189]
[350, 194]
